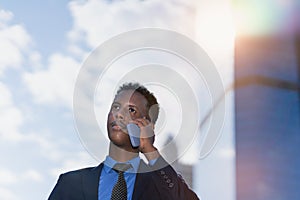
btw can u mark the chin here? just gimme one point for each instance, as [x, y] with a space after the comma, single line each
[119, 138]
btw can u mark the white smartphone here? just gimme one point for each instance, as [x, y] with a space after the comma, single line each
[134, 134]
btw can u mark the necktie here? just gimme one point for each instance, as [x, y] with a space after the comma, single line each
[119, 191]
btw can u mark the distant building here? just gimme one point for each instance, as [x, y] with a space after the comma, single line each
[267, 109]
[171, 154]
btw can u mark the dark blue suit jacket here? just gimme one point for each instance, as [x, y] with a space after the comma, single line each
[157, 182]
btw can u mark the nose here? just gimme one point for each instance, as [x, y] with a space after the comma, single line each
[119, 115]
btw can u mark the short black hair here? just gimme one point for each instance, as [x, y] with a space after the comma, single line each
[152, 105]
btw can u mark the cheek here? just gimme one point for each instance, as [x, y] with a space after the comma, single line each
[140, 115]
[128, 116]
[109, 118]
[134, 116]
[110, 115]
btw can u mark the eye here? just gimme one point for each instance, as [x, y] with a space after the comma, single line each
[115, 107]
[132, 110]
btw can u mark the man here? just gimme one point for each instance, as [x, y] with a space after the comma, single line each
[135, 179]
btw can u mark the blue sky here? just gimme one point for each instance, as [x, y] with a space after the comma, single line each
[46, 22]
[28, 154]
[42, 47]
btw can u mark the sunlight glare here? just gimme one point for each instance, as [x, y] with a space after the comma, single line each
[215, 27]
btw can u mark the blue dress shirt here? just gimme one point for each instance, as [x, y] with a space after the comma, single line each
[109, 177]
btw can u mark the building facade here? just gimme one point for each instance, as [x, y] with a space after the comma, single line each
[267, 119]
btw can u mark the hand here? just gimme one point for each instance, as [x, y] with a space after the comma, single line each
[147, 138]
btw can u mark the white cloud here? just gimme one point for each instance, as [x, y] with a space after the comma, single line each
[55, 84]
[12, 119]
[52, 84]
[7, 194]
[17, 35]
[49, 147]
[5, 16]
[7, 177]
[14, 40]
[75, 161]
[35, 59]
[32, 175]
[96, 20]
[10, 116]
[76, 51]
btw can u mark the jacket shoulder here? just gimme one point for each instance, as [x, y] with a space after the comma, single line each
[78, 172]
[70, 184]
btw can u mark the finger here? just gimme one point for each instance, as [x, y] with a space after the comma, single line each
[143, 121]
[147, 119]
[140, 124]
[146, 122]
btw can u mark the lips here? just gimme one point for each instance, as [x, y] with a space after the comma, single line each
[118, 126]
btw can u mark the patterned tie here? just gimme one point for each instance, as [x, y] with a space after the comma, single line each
[119, 191]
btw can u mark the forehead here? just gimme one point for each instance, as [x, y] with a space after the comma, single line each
[131, 97]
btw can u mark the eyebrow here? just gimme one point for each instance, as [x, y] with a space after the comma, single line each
[132, 105]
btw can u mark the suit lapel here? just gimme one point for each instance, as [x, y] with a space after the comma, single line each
[143, 182]
[90, 182]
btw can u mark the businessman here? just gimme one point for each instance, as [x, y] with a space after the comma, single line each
[123, 175]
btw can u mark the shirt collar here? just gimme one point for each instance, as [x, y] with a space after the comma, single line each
[110, 162]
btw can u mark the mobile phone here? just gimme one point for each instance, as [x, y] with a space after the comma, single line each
[134, 134]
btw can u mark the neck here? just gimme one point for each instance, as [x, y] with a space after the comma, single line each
[119, 154]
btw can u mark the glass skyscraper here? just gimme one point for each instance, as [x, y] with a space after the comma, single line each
[267, 108]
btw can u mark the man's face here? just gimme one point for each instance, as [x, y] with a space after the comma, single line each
[127, 106]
